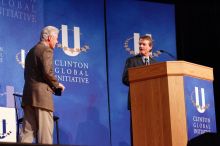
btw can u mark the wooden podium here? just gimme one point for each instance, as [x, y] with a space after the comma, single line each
[158, 104]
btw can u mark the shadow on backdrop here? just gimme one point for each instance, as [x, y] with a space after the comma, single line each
[91, 131]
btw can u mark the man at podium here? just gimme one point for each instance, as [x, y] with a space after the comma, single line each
[142, 58]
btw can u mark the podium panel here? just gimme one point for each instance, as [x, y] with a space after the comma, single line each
[200, 107]
[7, 124]
[159, 107]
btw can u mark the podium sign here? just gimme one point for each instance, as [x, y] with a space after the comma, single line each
[200, 108]
[7, 124]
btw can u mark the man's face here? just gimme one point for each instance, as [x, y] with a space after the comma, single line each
[53, 40]
[144, 47]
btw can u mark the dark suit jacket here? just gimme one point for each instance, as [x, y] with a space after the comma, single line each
[40, 81]
[133, 61]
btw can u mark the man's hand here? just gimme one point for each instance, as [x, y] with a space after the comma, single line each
[61, 86]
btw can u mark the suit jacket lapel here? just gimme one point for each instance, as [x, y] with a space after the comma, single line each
[139, 61]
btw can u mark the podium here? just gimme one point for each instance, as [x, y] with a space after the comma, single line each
[158, 108]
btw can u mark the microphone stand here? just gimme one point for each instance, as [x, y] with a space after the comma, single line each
[159, 52]
[171, 55]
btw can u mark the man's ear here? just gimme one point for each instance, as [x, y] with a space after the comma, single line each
[49, 38]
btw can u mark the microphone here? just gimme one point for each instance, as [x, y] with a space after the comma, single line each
[19, 95]
[159, 52]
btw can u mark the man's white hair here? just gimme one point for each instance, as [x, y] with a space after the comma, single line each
[48, 31]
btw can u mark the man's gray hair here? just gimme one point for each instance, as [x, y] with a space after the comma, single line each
[48, 31]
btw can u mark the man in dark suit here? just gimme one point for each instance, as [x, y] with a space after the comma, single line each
[40, 84]
[141, 59]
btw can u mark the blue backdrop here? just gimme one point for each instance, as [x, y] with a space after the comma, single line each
[87, 114]
[123, 20]
[85, 119]
[20, 22]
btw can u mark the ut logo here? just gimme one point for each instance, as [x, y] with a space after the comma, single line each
[65, 45]
[20, 57]
[136, 43]
[76, 37]
[200, 108]
[3, 129]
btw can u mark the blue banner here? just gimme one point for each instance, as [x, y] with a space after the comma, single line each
[126, 21]
[200, 107]
[80, 60]
[20, 25]
[80, 64]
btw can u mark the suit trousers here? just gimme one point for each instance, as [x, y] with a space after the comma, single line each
[37, 123]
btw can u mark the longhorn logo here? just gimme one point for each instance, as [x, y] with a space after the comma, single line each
[20, 58]
[3, 132]
[65, 45]
[199, 104]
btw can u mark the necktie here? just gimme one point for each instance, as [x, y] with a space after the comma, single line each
[146, 61]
